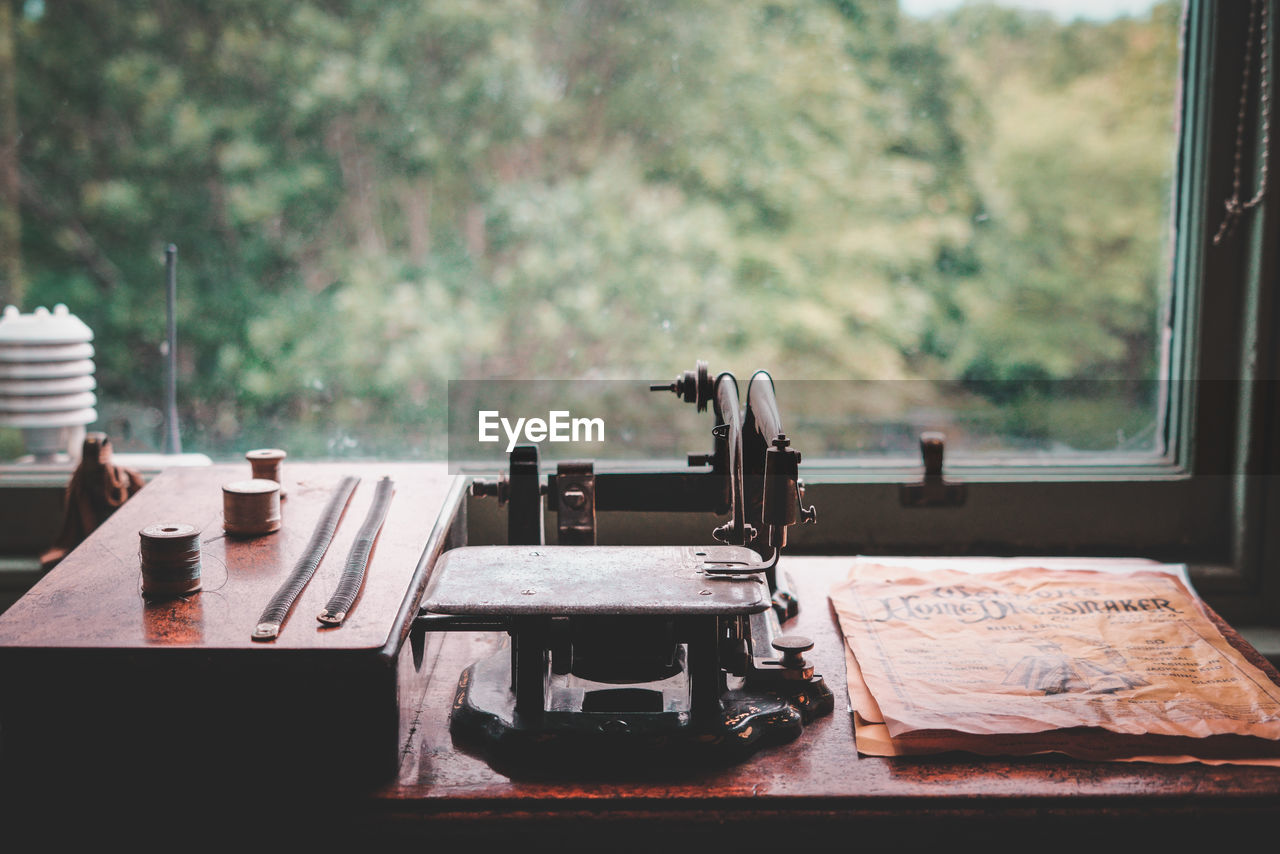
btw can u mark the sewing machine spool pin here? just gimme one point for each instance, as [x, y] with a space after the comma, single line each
[691, 386]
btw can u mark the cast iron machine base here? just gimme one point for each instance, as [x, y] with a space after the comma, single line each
[669, 649]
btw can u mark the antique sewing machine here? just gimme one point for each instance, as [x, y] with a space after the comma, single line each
[619, 650]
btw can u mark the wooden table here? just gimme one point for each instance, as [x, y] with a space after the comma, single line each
[93, 668]
[818, 782]
[88, 614]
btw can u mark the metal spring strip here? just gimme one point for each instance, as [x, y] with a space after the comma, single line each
[278, 608]
[358, 558]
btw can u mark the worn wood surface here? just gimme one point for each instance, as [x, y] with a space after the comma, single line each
[88, 617]
[816, 781]
[99, 679]
[93, 599]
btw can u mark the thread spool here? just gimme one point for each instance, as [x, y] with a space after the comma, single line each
[251, 507]
[266, 464]
[170, 556]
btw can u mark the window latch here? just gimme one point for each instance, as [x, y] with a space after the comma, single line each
[935, 490]
[575, 499]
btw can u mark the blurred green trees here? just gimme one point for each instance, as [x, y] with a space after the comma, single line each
[372, 198]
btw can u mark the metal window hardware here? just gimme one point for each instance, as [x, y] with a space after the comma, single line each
[935, 490]
[575, 498]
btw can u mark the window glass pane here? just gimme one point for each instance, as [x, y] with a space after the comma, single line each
[955, 214]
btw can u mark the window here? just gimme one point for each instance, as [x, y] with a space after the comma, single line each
[369, 200]
[1206, 497]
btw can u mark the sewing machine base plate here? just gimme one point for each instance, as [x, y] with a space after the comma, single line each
[484, 716]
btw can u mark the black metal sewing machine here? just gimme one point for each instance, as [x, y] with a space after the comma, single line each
[618, 649]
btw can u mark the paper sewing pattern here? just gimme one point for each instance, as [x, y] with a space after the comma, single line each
[1047, 651]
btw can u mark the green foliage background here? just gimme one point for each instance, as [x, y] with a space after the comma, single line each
[372, 198]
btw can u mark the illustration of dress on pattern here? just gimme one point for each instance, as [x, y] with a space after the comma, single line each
[1052, 671]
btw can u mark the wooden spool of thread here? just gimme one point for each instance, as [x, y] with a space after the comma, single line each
[251, 507]
[170, 556]
[265, 463]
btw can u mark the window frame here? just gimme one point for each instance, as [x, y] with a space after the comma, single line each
[1211, 501]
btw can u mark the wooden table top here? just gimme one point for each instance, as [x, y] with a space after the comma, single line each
[443, 790]
[819, 777]
[93, 600]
